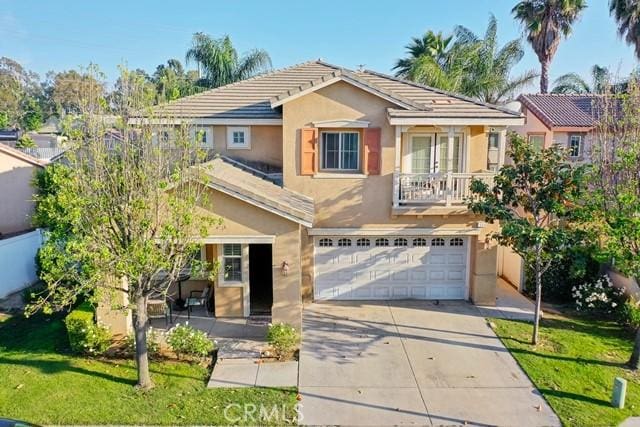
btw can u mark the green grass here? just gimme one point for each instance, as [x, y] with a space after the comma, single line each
[574, 366]
[41, 382]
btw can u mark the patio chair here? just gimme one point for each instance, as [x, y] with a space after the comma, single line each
[159, 307]
[198, 299]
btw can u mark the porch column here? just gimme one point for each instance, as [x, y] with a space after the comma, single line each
[451, 133]
[502, 147]
[396, 167]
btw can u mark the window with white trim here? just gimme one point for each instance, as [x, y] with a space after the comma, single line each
[575, 145]
[419, 242]
[363, 243]
[238, 137]
[203, 136]
[456, 241]
[344, 242]
[382, 242]
[438, 241]
[325, 243]
[232, 262]
[400, 241]
[340, 151]
[536, 140]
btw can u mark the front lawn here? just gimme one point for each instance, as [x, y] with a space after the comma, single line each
[41, 382]
[574, 366]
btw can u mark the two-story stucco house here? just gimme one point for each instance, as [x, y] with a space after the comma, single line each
[565, 120]
[344, 185]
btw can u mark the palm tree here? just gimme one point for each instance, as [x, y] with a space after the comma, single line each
[219, 63]
[572, 83]
[545, 23]
[431, 45]
[627, 15]
[488, 74]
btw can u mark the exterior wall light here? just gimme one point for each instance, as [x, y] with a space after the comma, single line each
[284, 268]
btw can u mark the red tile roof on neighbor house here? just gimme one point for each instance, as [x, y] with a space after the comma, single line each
[560, 110]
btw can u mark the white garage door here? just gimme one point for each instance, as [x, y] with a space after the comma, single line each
[361, 268]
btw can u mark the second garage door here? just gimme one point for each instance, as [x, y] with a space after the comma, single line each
[362, 268]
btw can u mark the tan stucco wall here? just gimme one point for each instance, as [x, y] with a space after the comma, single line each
[366, 201]
[112, 310]
[266, 144]
[240, 218]
[16, 193]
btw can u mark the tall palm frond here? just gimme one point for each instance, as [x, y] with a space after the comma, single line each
[432, 45]
[627, 15]
[572, 83]
[219, 62]
[545, 23]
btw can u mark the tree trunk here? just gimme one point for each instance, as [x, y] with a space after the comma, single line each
[536, 317]
[544, 76]
[140, 331]
[634, 362]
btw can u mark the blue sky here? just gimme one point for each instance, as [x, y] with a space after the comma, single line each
[57, 35]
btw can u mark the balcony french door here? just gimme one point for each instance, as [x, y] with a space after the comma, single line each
[428, 153]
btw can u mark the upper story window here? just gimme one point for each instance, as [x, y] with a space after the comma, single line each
[238, 137]
[494, 140]
[340, 151]
[575, 145]
[203, 136]
[536, 140]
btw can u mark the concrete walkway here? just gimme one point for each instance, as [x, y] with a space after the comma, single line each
[231, 373]
[411, 362]
[510, 304]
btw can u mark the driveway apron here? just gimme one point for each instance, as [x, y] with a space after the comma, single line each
[411, 362]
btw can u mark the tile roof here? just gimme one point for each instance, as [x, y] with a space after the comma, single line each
[254, 98]
[560, 110]
[232, 180]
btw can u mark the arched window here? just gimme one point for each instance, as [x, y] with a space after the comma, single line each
[363, 243]
[438, 241]
[419, 242]
[344, 242]
[382, 242]
[325, 243]
[456, 241]
[400, 241]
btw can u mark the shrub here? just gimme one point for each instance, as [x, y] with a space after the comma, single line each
[599, 296]
[573, 269]
[283, 339]
[630, 314]
[185, 340]
[153, 344]
[85, 336]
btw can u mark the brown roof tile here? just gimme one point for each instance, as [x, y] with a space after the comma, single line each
[560, 110]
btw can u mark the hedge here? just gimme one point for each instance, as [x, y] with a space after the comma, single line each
[85, 336]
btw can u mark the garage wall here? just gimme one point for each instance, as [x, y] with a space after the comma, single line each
[510, 267]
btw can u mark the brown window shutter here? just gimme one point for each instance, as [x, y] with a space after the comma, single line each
[308, 151]
[372, 149]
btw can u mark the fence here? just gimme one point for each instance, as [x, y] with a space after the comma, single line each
[17, 262]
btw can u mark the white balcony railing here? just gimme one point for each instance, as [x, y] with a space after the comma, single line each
[442, 188]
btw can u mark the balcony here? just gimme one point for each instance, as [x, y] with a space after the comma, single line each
[441, 189]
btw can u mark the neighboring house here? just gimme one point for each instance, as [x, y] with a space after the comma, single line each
[566, 120]
[16, 194]
[374, 172]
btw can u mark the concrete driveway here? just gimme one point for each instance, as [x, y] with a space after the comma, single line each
[411, 362]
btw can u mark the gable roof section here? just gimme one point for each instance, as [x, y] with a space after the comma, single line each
[235, 182]
[559, 110]
[246, 99]
[259, 97]
[22, 156]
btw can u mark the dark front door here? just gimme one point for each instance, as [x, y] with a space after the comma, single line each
[260, 279]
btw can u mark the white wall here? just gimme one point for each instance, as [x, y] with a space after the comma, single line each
[17, 262]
